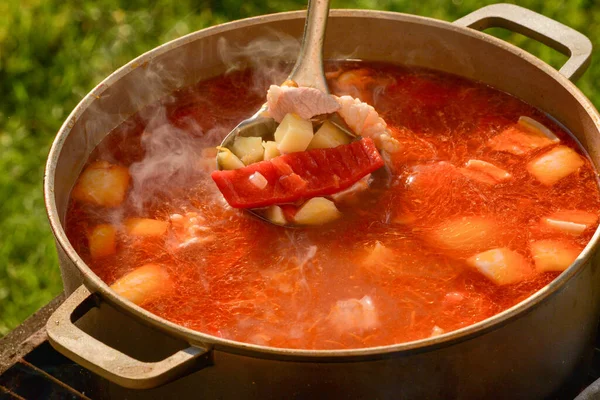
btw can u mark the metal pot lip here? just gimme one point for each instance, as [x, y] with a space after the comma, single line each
[198, 338]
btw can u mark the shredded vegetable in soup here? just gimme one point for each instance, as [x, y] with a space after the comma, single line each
[477, 201]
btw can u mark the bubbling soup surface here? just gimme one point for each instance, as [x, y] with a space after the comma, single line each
[440, 242]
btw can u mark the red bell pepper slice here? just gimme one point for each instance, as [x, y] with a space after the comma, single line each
[302, 175]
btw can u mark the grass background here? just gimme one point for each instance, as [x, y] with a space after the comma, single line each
[53, 52]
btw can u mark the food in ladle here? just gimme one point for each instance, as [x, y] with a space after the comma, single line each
[309, 170]
[297, 176]
[455, 231]
[303, 101]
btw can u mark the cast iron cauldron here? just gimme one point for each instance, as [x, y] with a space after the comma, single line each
[527, 351]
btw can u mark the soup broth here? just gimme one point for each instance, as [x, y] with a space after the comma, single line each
[464, 222]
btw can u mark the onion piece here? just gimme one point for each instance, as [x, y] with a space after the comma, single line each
[565, 226]
[573, 222]
[532, 124]
[258, 180]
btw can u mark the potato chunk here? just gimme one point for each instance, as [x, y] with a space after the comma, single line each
[227, 160]
[103, 184]
[502, 266]
[554, 165]
[464, 234]
[102, 241]
[143, 284]
[328, 136]
[293, 134]
[275, 215]
[145, 227]
[553, 255]
[248, 149]
[317, 211]
[538, 128]
[271, 150]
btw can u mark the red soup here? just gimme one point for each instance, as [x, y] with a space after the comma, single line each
[487, 201]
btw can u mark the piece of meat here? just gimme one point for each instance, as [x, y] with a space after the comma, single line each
[521, 138]
[364, 120]
[361, 83]
[354, 316]
[301, 175]
[361, 117]
[304, 101]
[189, 229]
[485, 172]
[356, 83]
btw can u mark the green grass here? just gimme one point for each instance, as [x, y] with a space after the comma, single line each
[53, 52]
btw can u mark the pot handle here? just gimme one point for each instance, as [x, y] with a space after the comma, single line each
[108, 362]
[538, 27]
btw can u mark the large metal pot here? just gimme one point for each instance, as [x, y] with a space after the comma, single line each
[527, 351]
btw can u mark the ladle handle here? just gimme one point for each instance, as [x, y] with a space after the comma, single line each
[308, 70]
[108, 362]
[538, 27]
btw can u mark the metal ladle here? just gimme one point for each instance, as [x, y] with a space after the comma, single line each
[308, 72]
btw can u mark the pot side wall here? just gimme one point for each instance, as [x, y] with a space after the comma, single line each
[528, 357]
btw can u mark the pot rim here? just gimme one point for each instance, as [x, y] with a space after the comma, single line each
[96, 285]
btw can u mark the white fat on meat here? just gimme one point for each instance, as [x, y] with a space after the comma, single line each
[364, 120]
[353, 315]
[303, 101]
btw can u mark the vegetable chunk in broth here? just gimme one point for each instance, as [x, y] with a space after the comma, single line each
[484, 201]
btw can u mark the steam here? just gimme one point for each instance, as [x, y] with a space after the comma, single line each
[174, 157]
[273, 54]
[171, 156]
